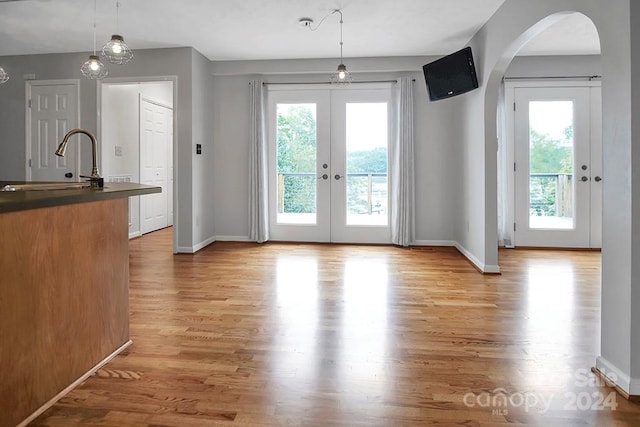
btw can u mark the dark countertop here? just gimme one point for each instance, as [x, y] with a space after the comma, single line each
[12, 201]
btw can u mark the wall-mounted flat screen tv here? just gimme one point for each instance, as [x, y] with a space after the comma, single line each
[451, 75]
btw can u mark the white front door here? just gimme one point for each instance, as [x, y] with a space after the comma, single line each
[328, 160]
[558, 167]
[52, 112]
[155, 149]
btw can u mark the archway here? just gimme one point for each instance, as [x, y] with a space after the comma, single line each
[494, 96]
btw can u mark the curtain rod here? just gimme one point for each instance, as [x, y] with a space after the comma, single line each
[328, 83]
[594, 77]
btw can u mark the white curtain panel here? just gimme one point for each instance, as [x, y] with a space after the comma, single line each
[505, 229]
[258, 192]
[402, 168]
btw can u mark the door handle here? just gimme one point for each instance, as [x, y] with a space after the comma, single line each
[68, 175]
[324, 176]
[584, 179]
[597, 179]
[337, 177]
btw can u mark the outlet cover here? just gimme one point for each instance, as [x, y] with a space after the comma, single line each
[118, 151]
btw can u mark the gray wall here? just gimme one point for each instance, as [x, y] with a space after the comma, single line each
[436, 158]
[439, 157]
[515, 22]
[555, 66]
[192, 74]
[203, 173]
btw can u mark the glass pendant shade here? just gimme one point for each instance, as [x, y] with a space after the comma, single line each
[341, 76]
[116, 50]
[3, 75]
[93, 68]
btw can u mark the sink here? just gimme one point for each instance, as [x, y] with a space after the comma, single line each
[45, 186]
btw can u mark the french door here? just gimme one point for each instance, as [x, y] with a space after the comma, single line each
[328, 164]
[558, 162]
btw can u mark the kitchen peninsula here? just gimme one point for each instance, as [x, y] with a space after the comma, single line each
[64, 290]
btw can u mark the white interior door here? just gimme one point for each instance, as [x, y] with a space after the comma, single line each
[155, 145]
[557, 167]
[328, 162]
[52, 112]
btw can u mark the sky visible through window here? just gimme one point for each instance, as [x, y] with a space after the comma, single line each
[366, 126]
[551, 117]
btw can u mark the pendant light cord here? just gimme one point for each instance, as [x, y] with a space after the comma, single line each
[95, 13]
[325, 17]
[334, 11]
[117, 16]
[341, 43]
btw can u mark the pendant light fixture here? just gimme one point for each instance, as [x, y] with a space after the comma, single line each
[341, 76]
[3, 75]
[93, 68]
[116, 50]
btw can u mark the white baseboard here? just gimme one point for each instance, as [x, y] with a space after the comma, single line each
[629, 385]
[73, 385]
[484, 268]
[490, 269]
[195, 248]
[134, 234]
[433, 243]
[233, 239]
[203, 244]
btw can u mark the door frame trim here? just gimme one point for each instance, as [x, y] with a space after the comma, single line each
[29, 84]
[509, 95]
[150, 79]
[302, 91]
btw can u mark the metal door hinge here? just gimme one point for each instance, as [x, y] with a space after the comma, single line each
[29, 162]
[514, 106]
[514, 226]
[29, 103]
[514, 166]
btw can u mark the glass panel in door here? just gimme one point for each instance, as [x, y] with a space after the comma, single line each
[296, 152]
[551, 154]
[360, 136]
[299, 165]
[367, 160]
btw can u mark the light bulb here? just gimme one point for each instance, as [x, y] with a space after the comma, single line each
[341, 75]
[93, 68]
[116, 48]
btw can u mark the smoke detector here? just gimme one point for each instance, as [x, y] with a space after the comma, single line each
[305, 22]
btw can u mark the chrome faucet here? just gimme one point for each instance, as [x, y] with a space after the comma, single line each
[95, 179]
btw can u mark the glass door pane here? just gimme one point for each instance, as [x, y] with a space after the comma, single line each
[367, 159]
[296, 151]
[551, 165]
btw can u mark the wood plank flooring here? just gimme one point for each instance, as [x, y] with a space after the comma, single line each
[242, 334]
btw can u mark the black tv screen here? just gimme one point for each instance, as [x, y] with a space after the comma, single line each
[451, 75]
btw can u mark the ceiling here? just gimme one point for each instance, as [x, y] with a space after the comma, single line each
[269, 29]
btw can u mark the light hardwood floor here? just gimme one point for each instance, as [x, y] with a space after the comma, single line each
[242, 334]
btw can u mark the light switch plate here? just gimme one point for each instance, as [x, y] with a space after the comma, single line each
[118, 150]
